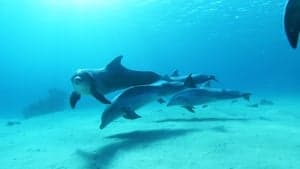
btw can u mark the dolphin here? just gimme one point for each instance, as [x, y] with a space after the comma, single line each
[197, 78]
[98, 82]
[188, 98]
[292, 22]
[136, 97]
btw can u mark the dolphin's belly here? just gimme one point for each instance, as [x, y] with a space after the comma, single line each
[138, 101]
[202, 100]
[215, 96]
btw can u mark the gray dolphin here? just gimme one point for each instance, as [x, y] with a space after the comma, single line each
[98, 82]
[292, 21]
[135, 97]
[188, 98]
[197, 78]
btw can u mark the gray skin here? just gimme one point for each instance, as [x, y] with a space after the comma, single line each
[197, 78]
[98, 82]
[200, 96]
[292, 22]
[136, 97]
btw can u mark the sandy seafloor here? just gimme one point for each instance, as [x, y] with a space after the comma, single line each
[224, 135]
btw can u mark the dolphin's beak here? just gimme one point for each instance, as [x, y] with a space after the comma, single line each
[101, 126]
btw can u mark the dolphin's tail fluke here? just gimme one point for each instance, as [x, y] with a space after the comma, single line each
[246, 96]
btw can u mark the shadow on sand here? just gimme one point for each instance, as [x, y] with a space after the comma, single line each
[102, 157]
[199, 120]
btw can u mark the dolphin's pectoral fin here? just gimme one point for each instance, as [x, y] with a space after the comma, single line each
[100, 97]
[161, 101]
[130, 114]
[189, 108]
[74, 99]
[204, 106]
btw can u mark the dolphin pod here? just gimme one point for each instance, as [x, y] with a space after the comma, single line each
[114, 76]
[143, 87]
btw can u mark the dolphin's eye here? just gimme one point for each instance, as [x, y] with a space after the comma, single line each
[77, 79]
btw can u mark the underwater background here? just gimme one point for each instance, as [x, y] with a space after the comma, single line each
[43, 42]
[241, 42]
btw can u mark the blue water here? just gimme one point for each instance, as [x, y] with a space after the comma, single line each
[241, 42]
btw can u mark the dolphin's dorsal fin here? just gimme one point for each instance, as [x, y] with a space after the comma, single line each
[189, 82]
[175, 73]
[115, 64]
